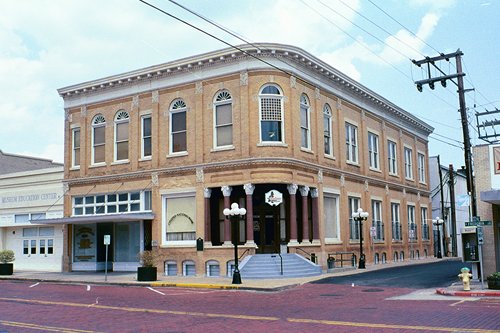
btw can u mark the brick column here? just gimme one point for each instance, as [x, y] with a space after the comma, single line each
[208, 220]
[226, 192]
[304, 191]
[249, 188]
[292, 190]
[315, 215]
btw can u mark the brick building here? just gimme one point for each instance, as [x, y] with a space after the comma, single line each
[153, 156]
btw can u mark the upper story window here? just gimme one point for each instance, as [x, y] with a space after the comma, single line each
[421, 168]
[75, 149]
[178, 127]
[412, 226]
[373, 154]
[271, 114]
[305, 122]
[392, 157]
[408, 163]
[146, 136]
[112, 203]
[396, 223]
[351, 142]
[223, 120]
[98, 139]
[377, 222]
[425, 225]
[354, 204]
[327, 130]
[121, 135]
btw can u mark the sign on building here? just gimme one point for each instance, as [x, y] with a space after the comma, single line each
[274, 198]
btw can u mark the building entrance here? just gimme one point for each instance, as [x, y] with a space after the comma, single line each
[266, 229]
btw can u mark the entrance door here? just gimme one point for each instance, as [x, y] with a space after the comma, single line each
[266, 233]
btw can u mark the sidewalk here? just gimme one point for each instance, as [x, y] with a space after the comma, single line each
[130, 279]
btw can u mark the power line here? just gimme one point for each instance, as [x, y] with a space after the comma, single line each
[450, 144]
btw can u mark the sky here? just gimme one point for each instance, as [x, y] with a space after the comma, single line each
[50, 44]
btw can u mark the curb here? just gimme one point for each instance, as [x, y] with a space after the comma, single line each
[462, 293]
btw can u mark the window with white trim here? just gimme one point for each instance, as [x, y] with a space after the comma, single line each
[223, 120]
[146, 136]
[188, 268]
[75, 149]
[330, 216]
[425, 225]
[395, 221]
[213, 268]
[305, 122]
[178, 127]
[412, 226]
[112, 203]
[179, 225]
[351, 141]
[122, 119]
[377, 222]
[392, 157]
[327, 130]
[421, 167]
[98, 139]
[408, 163]
[43, 236]
[373, 154]
[354, 204]
[271, 114]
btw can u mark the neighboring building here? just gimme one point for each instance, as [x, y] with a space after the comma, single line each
[487, 177]
[31, 190]
[448, 233]
[153, 156]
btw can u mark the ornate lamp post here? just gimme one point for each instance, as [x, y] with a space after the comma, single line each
[360, 216]
[438, 222]
[235, 214]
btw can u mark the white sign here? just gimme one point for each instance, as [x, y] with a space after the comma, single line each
[412, 234]
[373, 231]
[107, 239]
[274, 198]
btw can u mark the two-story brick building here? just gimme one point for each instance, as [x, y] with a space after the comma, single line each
[153, 156]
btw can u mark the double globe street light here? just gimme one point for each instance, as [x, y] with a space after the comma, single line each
[235, 214]
[360, 216]
[438, 222]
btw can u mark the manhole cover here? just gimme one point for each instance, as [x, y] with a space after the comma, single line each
[372, 290]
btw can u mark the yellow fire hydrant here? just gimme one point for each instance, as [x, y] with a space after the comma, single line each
[465, 276]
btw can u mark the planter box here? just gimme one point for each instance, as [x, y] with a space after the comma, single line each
[6, 269]
[494, 284]
[146, 274]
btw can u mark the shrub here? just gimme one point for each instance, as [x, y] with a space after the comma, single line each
[494, 277]
[7, 256]
[148, 258]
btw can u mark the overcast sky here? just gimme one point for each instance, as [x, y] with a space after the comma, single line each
[50, 44]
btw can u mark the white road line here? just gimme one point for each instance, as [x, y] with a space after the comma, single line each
[156, 291]
[88, 287]
[34, 285]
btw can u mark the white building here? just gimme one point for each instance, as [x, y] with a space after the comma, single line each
[31, 189]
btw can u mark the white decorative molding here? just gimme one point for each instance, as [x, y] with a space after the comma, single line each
[249, 188]
[200, 176]
[366, 186]
[292, 188]
[155, 97]
[207, 193]
[400, 133]
[135, 102]
[244, 79]
[418, 196]
[314, 192]
[65, 187]
[317, 93]
[339, 104]
[386, 189]
[154, 179]
[198, 88]
[271, 78]
[383, 125]
[320, 176]
[363, 115]
[342, 180]
[304, 190]
[83, 111]
[68, 116]
[226, 190]
[293, 81]
[404, 192]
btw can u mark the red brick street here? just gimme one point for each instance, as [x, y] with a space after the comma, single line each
[28, 307]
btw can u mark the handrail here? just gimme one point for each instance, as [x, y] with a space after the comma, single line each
[281, 261]
[247, 250]
[311, 256]
[307, 253]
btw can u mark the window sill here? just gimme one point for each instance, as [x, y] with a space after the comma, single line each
[393, 175]
[356, 164]
[272, 144]
[332, 241]
[74, 168]
[307, 150]
[120, 162]
[170, 244]
[179, 154]
[147, 158]
[422, 183]
[224, 148]
[375, 170]
[330, 157]
[409, 179]
[97, 165]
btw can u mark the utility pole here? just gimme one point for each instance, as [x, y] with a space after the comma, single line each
[451, 184]
[430, 61]
[443, 214]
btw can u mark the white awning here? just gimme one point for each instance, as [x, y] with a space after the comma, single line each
[109, 218]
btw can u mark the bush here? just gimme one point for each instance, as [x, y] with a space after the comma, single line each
[7, 256]
[494, 277]
[148, 258]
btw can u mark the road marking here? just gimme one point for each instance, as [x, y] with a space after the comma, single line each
[156, 291]
[462, 301]
[34, 285]
[43, 328]
[259, 318]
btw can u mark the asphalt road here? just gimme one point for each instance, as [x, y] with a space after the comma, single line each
[423, 276]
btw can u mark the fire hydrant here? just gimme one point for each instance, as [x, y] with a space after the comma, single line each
[465, 276]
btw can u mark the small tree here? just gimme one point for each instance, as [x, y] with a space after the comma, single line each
[7, 256]
[148, 258]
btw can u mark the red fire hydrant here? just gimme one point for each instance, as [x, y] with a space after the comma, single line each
[465, 276]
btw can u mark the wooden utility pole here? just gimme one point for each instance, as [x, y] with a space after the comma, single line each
[443, 214]
[453, 220]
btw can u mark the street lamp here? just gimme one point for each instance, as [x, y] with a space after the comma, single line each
[438, 222]
[360, 216]
[235, 213]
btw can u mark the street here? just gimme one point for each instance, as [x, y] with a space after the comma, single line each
[313, 307]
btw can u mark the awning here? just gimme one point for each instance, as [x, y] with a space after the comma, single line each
[110, 218]
[492, 197]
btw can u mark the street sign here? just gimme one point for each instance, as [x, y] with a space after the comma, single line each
[477, 223]
[480, 235]
[412, 233]
[107, 239]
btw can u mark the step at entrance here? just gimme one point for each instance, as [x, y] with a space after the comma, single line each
[268, 266]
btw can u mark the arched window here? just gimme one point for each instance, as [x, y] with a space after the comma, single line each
[271, 114]
[121, 135]
[213, 268]
[178, 128]
[188, 268]
[170, 268]
[223, 120]
[327, 130]
[305, 122]
[98, 139]
[377, 258]
[384, 257]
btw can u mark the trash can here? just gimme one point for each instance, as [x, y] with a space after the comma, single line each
[330, 262]
[199, 244]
